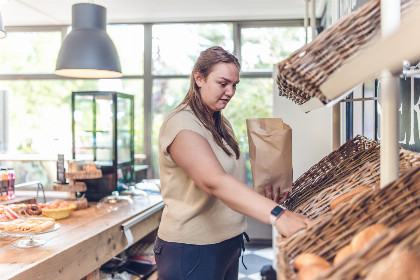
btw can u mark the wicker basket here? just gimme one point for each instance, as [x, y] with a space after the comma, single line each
[339, 164]
[304, 71]
[390, 205]
[59, 213]
[319, 204]
[399, 238]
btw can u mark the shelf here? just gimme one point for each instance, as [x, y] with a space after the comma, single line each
[380, 54]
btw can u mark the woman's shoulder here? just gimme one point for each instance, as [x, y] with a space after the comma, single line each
[181, 113]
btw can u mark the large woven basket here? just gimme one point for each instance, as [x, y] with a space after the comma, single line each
[304, 71]
[319, 204]
[336, 166]
[404, 236]
[390, 205]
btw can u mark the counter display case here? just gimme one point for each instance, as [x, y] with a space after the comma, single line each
[103, 132]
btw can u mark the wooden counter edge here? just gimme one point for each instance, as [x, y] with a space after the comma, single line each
[87, 256]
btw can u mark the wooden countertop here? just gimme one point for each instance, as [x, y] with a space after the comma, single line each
[85, 241]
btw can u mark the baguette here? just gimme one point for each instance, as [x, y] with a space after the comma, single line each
[348, 196]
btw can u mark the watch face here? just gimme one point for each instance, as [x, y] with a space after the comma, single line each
[277, 211]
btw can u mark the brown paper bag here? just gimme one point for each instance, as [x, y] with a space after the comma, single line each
[270, 153]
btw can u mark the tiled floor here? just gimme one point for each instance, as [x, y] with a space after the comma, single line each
[255, 257]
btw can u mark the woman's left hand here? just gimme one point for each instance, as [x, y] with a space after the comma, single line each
[274, 195]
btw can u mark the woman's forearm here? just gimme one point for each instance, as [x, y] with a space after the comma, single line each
[241, 198]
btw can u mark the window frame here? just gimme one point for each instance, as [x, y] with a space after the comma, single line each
[148, 77]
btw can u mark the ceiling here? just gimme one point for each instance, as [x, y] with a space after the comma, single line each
[58, 12]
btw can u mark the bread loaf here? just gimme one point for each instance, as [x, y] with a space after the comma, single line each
[311, 272]
[348, 196]
[342, 254]
[307, 259]
[366, 235]
[400, 265]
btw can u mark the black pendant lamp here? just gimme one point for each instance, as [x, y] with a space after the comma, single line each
[2, 31]
[87, 51]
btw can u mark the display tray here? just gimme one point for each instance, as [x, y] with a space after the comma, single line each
[29, 241]
[26, 234]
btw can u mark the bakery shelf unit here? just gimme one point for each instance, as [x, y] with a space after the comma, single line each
[103, 133]
[330, 85]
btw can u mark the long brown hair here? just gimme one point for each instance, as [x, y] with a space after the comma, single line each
[218, 125]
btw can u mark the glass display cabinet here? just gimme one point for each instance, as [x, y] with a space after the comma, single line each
[103, 133]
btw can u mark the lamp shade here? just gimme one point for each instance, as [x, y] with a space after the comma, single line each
[2, 31]
[87, 51]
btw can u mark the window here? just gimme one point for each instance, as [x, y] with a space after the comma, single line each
[262, 47]
[39, 102]
[173, 54]
[29, 52]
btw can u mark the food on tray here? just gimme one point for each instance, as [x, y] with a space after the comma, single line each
[33, 210]
[57, 209]
[22, 209]
[34, 225]
[366, 235]
[401, 264]
[7, 214]
[343, 253]
[348, 196]
[307, 259]
[55, 204]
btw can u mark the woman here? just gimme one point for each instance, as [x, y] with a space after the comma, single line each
[201, 173]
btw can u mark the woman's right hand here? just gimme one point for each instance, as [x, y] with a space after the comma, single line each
[289, 223]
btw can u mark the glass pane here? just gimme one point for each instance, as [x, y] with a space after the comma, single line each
[167, 94]
[174, 55]
[253, 99]
[266, 46]
[128, 39]
[29, 52]
[135, 87]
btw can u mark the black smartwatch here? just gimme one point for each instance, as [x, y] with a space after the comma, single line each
[276, 213]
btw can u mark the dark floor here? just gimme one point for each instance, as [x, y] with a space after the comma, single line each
[255, 257]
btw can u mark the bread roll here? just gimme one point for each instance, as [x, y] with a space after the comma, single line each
[348, 196]
[311, 272]
[342, 254]
[363, 237]
[400, 265]
[307, 259]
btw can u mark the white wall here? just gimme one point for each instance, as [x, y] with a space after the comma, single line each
[311, 133]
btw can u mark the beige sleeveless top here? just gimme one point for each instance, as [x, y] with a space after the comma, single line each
[190, 215]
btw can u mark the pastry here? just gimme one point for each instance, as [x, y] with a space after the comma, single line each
[348, 196]
[342, 254]
[307, 259]
[311, 272]
[399, 265]
[366, 235]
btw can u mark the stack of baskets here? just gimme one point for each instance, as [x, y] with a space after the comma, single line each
[339, 164]
[390, 206]
[303, 72]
